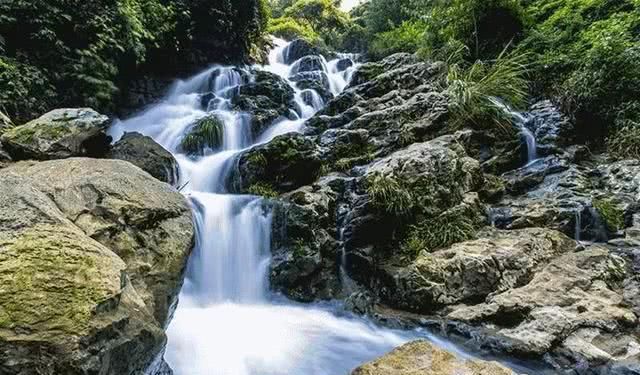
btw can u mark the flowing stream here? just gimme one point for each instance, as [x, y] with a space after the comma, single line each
[227, 320]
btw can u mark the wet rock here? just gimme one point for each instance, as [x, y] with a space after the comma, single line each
[308, 64]
[266, 99]
[317, 81]
[531, 175]
[304, 263]
[423, 357]
[298, 49]
[571, 308]
[344, 64]
[496, 262]
[284, 164]
[553, 130]
[369, 71]
[59, 134]
[142, 220]
[146, 154]
[67, 305]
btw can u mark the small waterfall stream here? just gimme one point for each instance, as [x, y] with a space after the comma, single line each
[227, 321]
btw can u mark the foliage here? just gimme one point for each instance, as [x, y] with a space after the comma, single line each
[207, 133]
[625, 142]
[440, 232]
[474, 90]
[81, 53]
[289, 29]
[405, 38]
[313, 20]
[612, 216]
[388, 195]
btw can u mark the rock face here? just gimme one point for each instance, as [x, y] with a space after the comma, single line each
[496, 262]
[69, 304]
[146, 154]
[422, 357]
[143, 221]
[59, 134]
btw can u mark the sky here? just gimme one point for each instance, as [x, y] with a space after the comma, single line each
[348, 4]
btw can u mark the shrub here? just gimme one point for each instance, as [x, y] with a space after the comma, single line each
[474, 91]
[288, 28]
[405, 38]
[625, 142]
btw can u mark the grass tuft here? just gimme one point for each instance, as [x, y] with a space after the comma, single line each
[207, 133]
[625, 143]
[387, 194]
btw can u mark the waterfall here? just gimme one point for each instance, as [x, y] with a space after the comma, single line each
[520, 120]
[227, 321]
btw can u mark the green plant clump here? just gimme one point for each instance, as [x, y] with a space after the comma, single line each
[263, 190]
[387, 194]
[207, 133]
[440, 232]
[612, 216]
[625, 142]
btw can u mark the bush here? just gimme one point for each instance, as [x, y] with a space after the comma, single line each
[476, 90]
[625, 143]
[289, 29]
[405, 38]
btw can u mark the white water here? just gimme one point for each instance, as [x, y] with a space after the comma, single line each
[227, 322]
[520, 120]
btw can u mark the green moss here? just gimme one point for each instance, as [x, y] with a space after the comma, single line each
[207, 133]
[56, 281]
[346, 164]
[262, 189]
[257, 159]
[612, 216]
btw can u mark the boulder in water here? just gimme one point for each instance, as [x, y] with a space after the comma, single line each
[317, 81]
[344, 64]
[308, 64]
[423, 357]
[59, 134]
[145, 153]
[553, 130]
[142, 220]
[284, 164]
[298, 49]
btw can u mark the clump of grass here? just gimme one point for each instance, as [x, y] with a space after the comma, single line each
[473, 90]
[206, 133]
[346, 164]
[263, 190]
[625, 143]
[612, 216]
[388, 195]
[440, 232]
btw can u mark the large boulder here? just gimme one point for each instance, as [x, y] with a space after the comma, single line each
[573, 309]
[425, 358]
[145, 153]
[142, 220]
[308, 64]
[284, 164]
[495, 262]
[67, 305]
[304, 244]
[59, 134]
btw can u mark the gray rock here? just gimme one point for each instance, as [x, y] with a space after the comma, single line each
[552, 129]
[298, 49]
[59, 134]
[146, 154]
[308, 64]
[142, 220]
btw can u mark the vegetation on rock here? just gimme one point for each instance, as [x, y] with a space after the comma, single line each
[207, 133]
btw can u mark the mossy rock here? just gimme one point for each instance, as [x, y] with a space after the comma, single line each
[59, 134]
[66, 303]
[206, 134]
[286, 163]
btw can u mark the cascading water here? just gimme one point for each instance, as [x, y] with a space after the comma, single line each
[227, 322]
[520, 120]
